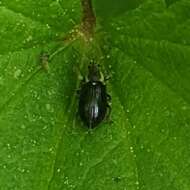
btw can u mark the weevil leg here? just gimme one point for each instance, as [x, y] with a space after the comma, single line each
[79, 75]
[108, 77]
[102, 77]
[108, 115]
[108, 98]
[109, 108]
[109, 111]
[80, 78]
[76, 118]
[78, 92]
[90, 128]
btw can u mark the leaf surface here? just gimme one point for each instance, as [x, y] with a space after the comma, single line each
[44, 145]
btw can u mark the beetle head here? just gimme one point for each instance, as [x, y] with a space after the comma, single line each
[93, 72]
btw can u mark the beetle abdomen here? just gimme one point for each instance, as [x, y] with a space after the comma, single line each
[93, 103]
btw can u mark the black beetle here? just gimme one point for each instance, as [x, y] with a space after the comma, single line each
[93, 100]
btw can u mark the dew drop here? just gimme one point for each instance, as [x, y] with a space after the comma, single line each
[22, 170]
[34, 142]
[148, 150]
[137, 182]
[184, 107]
[49, 92]
[8, 146]
[161, 174]
[66, 181]
[115, 162]
[52, 121]
[23, 126]
[131, 149]
[108, 56]
[29, 38]
[48, 26]
[48, 107]
[51, 150]
[163, 130]
[45, 127]
[58, 170]
[77, 154]
[147, 113]
[17, 73]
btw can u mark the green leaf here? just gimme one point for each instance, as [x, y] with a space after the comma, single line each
[108, 9]
[44, 145]
[170, 2]
[152, 63]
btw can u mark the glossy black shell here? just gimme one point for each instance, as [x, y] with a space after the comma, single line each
[93, 103]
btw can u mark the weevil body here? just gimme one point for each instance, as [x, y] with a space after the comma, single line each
[93, 101]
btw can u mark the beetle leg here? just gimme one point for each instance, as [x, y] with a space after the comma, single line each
[108, 118]
[78, 92]
[90, 126]
[79, 75]
[78, 86]
[101, 77]
[108, 77]
[108, 98]
[81, 83]
[109, 111]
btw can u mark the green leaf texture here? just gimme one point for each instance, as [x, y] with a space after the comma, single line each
[44, 145]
